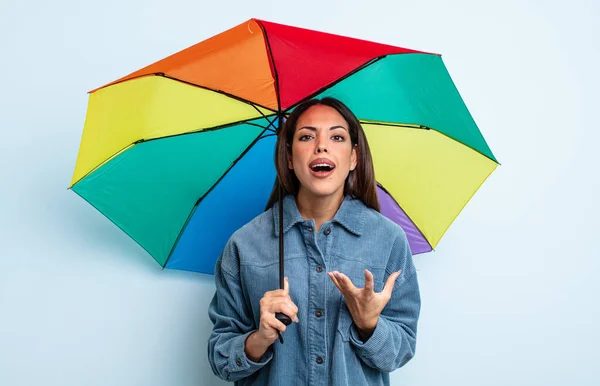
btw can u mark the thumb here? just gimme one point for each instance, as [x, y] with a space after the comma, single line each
[389, 284]
[286, 286]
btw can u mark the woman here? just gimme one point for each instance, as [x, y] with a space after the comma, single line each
[351, 287]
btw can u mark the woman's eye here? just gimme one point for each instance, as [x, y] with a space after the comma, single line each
[305, 137]
[338, 138]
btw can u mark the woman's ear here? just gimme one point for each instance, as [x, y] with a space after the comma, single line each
[354, 158]
[288, 150]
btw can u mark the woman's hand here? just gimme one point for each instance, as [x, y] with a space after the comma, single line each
[271, 303]
[364, 304]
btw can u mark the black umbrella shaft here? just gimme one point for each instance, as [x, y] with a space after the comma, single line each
[280, 201]
[281, 253]
[283, 318]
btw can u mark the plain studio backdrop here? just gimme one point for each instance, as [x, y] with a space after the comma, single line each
[510, 296]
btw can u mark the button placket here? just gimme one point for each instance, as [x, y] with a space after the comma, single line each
[316, 324]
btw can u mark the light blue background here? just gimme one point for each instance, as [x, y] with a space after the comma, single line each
[510, 297]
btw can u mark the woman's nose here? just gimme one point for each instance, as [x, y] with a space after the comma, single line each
[321, 144]
[321, 149]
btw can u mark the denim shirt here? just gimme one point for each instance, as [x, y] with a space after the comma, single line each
[324, 348]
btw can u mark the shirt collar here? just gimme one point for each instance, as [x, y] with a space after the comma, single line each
[350, 215]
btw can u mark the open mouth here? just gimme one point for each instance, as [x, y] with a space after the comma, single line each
[322, 168]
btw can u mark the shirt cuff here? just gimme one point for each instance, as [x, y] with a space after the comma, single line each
[239, 361]
[375, 343]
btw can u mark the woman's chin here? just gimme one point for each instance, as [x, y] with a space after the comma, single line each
[322, 192]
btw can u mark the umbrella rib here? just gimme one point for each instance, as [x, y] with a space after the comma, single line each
[210, 190]
[213, 90]
[214, 128]
[338, 80]
[271, 123]
[232, 96]
[272, 62]
[465, 145]
[218, 127]
[259, 137]
[268, 128]
[407, 216]
[404, 125]
[421, 127]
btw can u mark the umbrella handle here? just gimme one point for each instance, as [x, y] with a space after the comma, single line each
[283, 318]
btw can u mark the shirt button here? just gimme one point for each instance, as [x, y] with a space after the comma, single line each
[319, 360]
[318, 313]
[319, 269]
[310, 229]
[327, 231]
[238, 362]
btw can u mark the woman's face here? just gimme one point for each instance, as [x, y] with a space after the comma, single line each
[322, 154]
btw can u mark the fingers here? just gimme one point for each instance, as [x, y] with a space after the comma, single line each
[369, 283]
[345, 285]
[336, 280]
[271, 303]
[279, 301]
[290, 310]
[285, 307]
[345, 282]
[271, 322]
[389, 283]
[342, 282]
[274, 305]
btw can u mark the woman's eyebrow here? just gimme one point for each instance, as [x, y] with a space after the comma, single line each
[312, 128]
[338, 127]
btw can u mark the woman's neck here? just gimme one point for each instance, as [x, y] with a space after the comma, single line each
[321, 209]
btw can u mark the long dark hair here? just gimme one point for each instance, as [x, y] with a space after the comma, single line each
[360, 182]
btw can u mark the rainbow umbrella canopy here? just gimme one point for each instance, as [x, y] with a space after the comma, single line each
[180, 154]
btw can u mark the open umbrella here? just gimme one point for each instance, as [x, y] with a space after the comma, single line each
[180, 153]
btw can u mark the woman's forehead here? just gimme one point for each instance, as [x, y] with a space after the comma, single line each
[319, 116]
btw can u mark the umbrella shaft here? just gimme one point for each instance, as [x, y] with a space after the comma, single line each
[281, 245]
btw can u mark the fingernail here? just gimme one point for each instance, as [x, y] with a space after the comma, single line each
[296, 320]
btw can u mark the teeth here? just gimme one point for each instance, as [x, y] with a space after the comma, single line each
[322, 167]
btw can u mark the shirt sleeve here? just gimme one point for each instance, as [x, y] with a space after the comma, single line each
[232, 323]
[393, 341]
